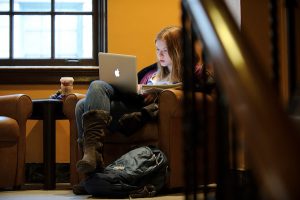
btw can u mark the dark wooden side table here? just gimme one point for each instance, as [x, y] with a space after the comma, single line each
[48, 110]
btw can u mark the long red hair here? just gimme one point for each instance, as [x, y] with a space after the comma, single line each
[172, 36]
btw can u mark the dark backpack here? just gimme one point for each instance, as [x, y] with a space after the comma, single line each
[141, 172]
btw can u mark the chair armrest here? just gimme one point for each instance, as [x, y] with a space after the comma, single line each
[171, 100]
[16, 106]
[171, 128]
[171, 109]
[69, 104]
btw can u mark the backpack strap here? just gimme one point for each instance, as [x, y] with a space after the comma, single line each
[146, 191]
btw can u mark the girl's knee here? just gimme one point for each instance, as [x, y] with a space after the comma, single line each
[98, 84]
[100, 87]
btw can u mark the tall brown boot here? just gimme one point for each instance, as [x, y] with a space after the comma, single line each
[95, 124]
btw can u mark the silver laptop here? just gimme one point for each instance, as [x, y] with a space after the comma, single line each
[118, 70]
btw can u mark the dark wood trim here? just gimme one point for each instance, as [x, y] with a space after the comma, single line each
[47, 74]
[49, 62]
[49, 71]
[97, 38]
[102, 26]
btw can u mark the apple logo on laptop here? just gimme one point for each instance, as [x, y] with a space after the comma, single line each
[117, 72]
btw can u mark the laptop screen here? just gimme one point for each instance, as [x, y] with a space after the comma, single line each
[119, 70]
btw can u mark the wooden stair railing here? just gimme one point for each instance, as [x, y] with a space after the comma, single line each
[271, 140]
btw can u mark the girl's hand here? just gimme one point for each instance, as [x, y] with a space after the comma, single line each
[150, 98]
[139, 88]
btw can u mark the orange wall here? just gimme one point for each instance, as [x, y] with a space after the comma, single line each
[132, 26]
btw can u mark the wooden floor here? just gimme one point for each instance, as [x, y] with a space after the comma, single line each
[66, 195]
[64, 192]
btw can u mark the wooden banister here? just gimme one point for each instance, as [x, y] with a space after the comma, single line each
[271, 140]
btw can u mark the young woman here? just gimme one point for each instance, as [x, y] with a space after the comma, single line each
[105, 108]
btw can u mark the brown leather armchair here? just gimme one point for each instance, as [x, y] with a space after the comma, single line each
[14, 112]
[166, 134]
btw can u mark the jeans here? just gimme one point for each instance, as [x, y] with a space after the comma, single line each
[103, 96]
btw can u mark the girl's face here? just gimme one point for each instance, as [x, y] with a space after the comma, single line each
[162, 54]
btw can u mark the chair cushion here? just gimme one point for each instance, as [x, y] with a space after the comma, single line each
[9, 131]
